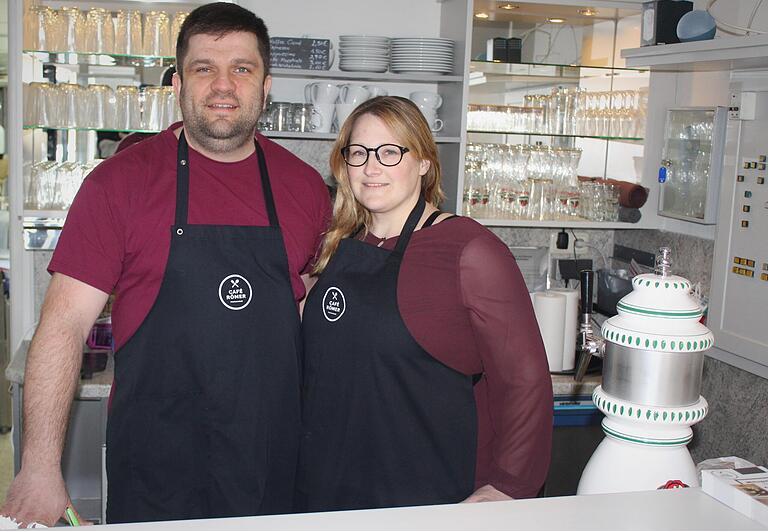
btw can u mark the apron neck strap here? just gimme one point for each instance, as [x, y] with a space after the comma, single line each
[409, 227]
[182, 183]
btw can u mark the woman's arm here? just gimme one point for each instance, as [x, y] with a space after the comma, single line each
[514, 396]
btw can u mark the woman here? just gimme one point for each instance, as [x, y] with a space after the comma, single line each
[412, 305]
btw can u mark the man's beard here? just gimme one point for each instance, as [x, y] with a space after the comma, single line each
[219, 135]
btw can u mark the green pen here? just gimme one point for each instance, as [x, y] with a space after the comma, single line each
[71, 517]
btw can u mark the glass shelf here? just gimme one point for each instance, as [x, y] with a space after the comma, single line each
[548, 70]
[529, 133]
[105, 59]
[556, 224]
[268, 134]
[49, 128]
[102, 59]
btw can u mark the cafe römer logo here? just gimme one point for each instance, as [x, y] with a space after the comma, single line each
[235, 292]
[333, 304]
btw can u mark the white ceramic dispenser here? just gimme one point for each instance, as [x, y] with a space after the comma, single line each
[653, 353]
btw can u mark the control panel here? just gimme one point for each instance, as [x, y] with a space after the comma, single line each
[739, 294]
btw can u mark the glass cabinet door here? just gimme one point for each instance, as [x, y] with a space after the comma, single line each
[692, 158]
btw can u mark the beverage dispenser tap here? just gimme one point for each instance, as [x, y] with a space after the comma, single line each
[588, 344]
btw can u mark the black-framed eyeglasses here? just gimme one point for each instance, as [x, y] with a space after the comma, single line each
[387, 154]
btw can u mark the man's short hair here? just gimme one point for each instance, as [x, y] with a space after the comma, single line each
[219, 19]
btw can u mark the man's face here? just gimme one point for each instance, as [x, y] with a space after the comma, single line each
[224, 90]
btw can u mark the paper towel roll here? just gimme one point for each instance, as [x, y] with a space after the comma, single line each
[550, 314]
[570, 327]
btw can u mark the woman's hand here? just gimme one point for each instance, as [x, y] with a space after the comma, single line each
[488, 493]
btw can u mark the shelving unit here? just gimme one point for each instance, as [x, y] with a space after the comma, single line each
[597, 69]
[450, 19]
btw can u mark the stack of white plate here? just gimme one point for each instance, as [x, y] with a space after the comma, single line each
[363, 53]
[422, 55]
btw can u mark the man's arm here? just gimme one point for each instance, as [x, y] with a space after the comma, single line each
[38, 493]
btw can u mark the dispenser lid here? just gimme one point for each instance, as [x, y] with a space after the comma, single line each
[659, 314]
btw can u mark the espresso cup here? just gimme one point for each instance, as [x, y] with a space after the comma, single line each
[353, 94]
[430, 100]
[321, 92]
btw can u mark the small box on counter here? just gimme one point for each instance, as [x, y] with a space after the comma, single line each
[742, 489]
[301, 53]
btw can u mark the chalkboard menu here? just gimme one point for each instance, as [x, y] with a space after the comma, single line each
[307, 54]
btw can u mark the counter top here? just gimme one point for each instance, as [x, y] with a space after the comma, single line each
[101, 383]
[632, 511]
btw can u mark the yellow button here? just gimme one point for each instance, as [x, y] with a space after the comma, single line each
[737, 260]
[744, 223]
[735, 269]
[764, 276]
[750, 273]
[751, 263]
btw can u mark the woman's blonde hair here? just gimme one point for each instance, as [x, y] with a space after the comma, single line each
[405, 121]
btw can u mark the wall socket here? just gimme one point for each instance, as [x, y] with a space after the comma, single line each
[568, 252]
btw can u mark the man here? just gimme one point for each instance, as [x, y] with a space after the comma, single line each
[202, 234]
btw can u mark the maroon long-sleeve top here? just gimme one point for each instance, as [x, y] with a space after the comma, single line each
[464, 300]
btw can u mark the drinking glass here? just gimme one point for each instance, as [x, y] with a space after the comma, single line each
[178, 19]
[157, 34]
[153, 113]
[99, 31]
[71, 30]
[101, 107]
[128, 108]
[172, 113]
[303, 117]
[128, 32]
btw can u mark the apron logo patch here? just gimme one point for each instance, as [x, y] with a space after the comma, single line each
[333, 304]
[235, 292]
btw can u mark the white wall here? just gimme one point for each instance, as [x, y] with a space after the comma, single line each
[327, 19]
[736, 12]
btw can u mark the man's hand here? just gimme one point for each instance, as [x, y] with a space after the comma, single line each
[487, 493]
[36, 496]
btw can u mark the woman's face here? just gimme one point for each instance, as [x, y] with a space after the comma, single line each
[384, 190]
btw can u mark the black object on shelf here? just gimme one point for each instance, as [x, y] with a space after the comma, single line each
[659, 21]
[496, 50]
[514, 50]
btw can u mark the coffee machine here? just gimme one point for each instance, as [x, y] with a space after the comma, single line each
[653, 355]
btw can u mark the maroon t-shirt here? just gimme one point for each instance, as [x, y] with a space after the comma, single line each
[464, 301]
[117, 235]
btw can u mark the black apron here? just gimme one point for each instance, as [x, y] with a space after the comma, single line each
[385, 423]
[205, 418]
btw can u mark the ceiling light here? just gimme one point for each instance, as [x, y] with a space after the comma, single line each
[555, 20]
[509, 7]
[588, 12]
[481, 15]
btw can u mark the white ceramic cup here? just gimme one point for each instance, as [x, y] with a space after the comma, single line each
[353, 94]
[321, 92]
[343, 110]
[435, 123]
[375, 91]
[431, 100]
[322, 119]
